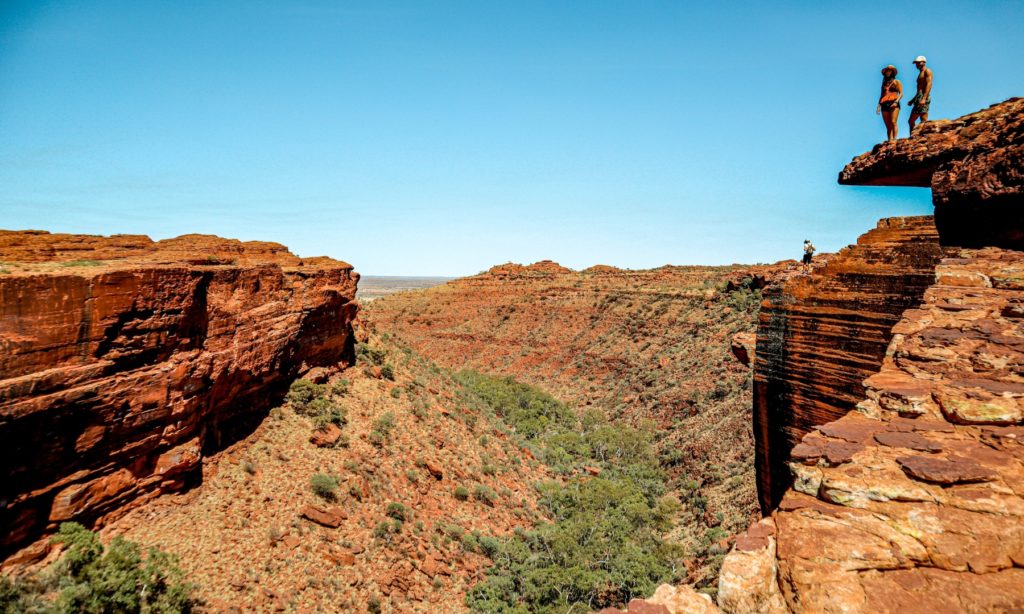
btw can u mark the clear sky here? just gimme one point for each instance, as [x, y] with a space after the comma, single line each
[440, 138]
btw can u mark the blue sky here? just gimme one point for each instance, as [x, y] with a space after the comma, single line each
[424, 138]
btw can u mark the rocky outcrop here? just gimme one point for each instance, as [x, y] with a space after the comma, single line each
[669, 599]
[824, 329]
[915, 502]
[975, 167]
[124, 361]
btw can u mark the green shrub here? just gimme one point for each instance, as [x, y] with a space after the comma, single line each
[340, 387]
[461, 493]
[397, 511]
[91, 578]
[396, 392]
[371, 355]
[527, 409]
[301, 394]
[74, 263]
[380, 432]
[324, 411]
[324, 486]
[388, 372]
[605, 544]
[485, 494]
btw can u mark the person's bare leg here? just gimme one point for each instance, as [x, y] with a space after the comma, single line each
[895, 123]
[913, 118]
[891, 129]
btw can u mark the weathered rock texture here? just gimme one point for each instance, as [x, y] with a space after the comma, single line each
[123, 361]
[975, 167]
[824, 330]
[915, 502]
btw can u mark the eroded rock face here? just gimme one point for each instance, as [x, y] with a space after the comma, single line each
[824, 330]
[975, 167]
[915, 502]
[123, 361]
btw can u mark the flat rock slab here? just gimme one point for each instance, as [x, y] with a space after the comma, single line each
[331, 517]
[952, 470]
[912, 441]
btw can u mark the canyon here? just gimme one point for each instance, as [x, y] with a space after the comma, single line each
[844, 436]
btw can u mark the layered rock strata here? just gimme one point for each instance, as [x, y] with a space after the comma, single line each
[974, 166]
[915, 502]
[124, 361]
[822, 331]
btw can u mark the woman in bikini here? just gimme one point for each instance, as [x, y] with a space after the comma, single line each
[889, 102]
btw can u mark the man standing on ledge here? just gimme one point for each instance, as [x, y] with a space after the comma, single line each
[808, 251]
[923, 99]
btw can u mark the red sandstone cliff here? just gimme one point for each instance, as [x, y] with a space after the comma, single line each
[123, 361]
[915, 501]
[823, 330]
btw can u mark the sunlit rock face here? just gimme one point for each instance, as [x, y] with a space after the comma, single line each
[123, 361]
[825, 329]
[912, 498]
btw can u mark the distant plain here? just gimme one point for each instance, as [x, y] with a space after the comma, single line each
[375, 286]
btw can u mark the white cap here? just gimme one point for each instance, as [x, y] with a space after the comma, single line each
[919, 58]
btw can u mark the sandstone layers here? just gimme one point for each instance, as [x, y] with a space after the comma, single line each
[124, 361]
[823, 331]
[915, 500]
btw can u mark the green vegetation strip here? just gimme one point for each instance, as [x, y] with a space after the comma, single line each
[604, 544]
[92, 578]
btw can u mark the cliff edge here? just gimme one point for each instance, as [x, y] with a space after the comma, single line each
[124, 361]
[974, 166]
[914, 499]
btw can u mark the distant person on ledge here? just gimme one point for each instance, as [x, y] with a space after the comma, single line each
[808, 251]
[923, 99]
[889, 101]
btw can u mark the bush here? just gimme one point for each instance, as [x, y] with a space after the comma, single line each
[605, 544]
[324, 486]
[388, 372]
[397, 511]
[461, 493]
[324, 411]
[92, 578]
[340, 387]
[301, 394]
[380, 433]
[374, 356]
[530, 411]
[485, 494]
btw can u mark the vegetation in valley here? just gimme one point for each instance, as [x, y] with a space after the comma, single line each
[96, 579]
[602, 540]
[639, 347]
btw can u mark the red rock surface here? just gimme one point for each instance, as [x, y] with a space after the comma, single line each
[925, 511]
[124, 361]
[975, 167]
[823, 330]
